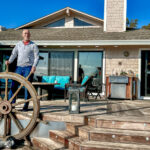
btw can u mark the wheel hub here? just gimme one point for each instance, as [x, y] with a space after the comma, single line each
[5, 107]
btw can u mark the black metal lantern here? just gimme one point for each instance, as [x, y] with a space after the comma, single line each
[74, 101]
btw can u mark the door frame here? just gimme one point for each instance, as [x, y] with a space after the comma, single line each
[139, 76]
[103, 63]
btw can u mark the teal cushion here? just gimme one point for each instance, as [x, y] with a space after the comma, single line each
[2, 80]
[84, 79]
[62, 80]
[48, 79]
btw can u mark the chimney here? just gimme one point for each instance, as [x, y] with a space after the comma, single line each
[115, 15]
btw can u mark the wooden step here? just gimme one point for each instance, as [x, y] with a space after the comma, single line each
[64, 117]
[114, 135]
[80, 144]
[61, 137]
[129, 123]
[46, 144]
[73, 127]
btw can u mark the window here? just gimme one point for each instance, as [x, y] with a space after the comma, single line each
[55, 63]
[61, 63]
[91, 63]
[5, 56]
[2, 62]
[78, 22]
[42, 67]
[58, 23]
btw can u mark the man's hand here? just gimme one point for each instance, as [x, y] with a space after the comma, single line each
[33, 69]
[7, 62]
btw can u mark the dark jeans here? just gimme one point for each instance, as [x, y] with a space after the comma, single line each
[24, 71]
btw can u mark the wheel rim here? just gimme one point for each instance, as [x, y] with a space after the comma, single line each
[9, 112]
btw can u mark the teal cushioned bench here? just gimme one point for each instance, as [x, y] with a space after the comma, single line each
[62, 80]
[48, 79]
[57, 79]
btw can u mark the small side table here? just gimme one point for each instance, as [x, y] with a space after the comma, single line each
[45, 86]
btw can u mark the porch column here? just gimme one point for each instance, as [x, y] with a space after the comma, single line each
[76, 66]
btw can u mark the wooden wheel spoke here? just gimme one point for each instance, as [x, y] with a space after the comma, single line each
[0, 116]
[28, 76]
[16, 121]
[0, 99]
[22, 102]
[6, 89]
[15, 94]
[22, 113]
[28, 100]
[5, 126]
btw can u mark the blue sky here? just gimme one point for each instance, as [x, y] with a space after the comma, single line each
[14, 13]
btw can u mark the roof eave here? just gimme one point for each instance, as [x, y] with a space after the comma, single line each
[82, 42]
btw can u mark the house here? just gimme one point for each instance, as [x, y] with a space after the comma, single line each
[69, 38]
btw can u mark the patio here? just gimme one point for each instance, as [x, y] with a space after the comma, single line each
[123, 114]
[57, 110]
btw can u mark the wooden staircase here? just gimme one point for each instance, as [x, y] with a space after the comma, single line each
[105, 132]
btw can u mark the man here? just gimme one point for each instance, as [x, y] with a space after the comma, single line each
[27, 54]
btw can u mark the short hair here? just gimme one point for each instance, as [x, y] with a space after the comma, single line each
[25, 29]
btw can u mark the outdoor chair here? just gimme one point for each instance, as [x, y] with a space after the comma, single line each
[95, 87]
[82, 87]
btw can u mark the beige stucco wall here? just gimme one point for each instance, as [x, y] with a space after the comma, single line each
[116, 61]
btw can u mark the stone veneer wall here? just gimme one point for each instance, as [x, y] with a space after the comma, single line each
[115, 15]
[116, 61]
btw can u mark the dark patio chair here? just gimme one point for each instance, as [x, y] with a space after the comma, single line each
[95, 87]
[82, 87]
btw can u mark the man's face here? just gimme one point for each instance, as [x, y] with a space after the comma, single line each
[26, 35]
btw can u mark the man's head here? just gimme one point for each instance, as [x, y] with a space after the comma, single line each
[26, 35]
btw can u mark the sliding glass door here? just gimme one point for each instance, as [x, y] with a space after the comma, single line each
[61, 63]
[145, 73]
[58, 63]
[91, 63]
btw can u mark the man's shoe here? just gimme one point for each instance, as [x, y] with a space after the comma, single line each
[25, 109]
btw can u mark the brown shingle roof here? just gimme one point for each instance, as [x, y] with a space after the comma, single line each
[76, 34]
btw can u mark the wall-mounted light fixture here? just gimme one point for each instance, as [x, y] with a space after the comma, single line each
[126, 53]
